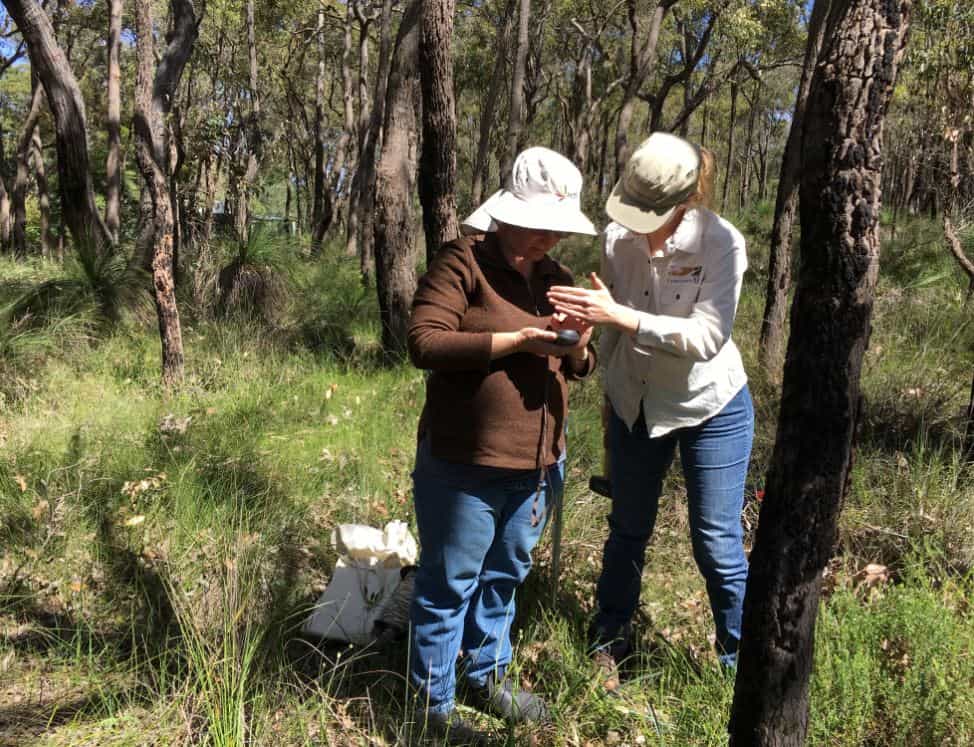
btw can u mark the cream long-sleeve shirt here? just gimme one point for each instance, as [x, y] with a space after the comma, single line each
[682, 364]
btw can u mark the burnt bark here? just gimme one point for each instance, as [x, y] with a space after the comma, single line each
[113, 166]
[395, 272]
[821, 400]
[154, 93]
[70, 124]
[771, 346]
[438, 164]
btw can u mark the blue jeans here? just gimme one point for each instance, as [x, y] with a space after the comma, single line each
[715, 457]
[477, 527]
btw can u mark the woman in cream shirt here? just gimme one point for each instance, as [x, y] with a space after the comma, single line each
[671, 278]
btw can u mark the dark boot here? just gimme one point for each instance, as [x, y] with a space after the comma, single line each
[448, 728]
[499, 698]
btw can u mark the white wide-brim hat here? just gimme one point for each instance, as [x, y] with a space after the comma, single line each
[544, 193]
[660, 176]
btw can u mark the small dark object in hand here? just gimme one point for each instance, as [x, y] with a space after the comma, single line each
[600, 485]
[567, 337]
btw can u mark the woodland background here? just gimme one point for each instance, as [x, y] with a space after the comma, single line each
[164, 528]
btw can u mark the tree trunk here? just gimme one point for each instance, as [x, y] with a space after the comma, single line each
[43, 194]
[368, 156]
[516, 110]
[70, 125]
[18, 195]
[806, 482]
[746, 168]
[154, 94]
[438, 166]
[361, 130]
[321, 209]
[395, 271]
[771, 347]
[338, 176]
[481, 169]
[113, 168]
[731, 130]
[252, 137]
[642, 61]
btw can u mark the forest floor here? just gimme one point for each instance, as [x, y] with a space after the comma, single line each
[158, 555]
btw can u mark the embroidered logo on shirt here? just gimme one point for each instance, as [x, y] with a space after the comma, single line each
[691, 275]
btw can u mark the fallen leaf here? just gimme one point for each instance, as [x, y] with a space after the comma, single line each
[21, 482]
[134, 521]
[40, 510]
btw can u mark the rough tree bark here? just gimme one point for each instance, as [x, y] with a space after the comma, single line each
[516, 110]
[771, 348]
[395, 272]
[70, 124]
[113, 166]
[361, 129]
[839, 211]
[154, 93]
[488, 107]
[731, 131]
[438, 164]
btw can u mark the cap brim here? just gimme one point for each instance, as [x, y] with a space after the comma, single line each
[635, 217]
[504, 207]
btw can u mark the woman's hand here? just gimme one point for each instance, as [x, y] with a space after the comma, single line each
[578, 351]
[537, 342]
[593, 306]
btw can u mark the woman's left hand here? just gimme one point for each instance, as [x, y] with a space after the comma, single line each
[592, 306]
[563, 321]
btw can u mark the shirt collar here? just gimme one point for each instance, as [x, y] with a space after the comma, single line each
[686, 238]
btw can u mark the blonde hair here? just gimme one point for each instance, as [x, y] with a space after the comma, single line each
[704, 196]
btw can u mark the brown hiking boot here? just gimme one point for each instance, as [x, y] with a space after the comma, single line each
[608, 669]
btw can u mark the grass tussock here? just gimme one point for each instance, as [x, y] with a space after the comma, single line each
[158, 555]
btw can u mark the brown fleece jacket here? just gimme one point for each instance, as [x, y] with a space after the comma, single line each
[480, 411]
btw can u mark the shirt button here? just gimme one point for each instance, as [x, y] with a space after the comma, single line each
[677, 296]
[645, 293]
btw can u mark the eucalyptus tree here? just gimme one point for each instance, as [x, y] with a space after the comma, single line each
[821, 401]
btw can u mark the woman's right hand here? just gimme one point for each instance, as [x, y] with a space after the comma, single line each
[526, 340]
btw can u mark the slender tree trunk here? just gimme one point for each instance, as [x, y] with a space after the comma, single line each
[154, 93]
[481, 168]
[43, 194]
[18, 195]
[372, 142]
[516, 109]
[113, 169]
[245, 183]
[339, 178]
[746, 169]
[731, 131]
[438, 165]
[322, 209]
[70, 124]
[821, 400]
[771, 346]
[395, 271]
[361, 130]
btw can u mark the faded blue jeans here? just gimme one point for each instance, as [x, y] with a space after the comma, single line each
[715, 458]
[476, 534]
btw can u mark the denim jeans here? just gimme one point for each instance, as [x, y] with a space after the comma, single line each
[715, 458]
[477, 527]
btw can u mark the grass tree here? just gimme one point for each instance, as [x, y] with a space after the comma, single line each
[821, 399]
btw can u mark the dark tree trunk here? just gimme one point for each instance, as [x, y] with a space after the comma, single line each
[746, 169]
[438, 165]
[154, 94]
[395, 271]
[367, 158]
[113, 166]
[516, 110]
[70, 125]
[481, 170]
[771, 347]
[321, 213]
[361, 132]
[806, 482]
